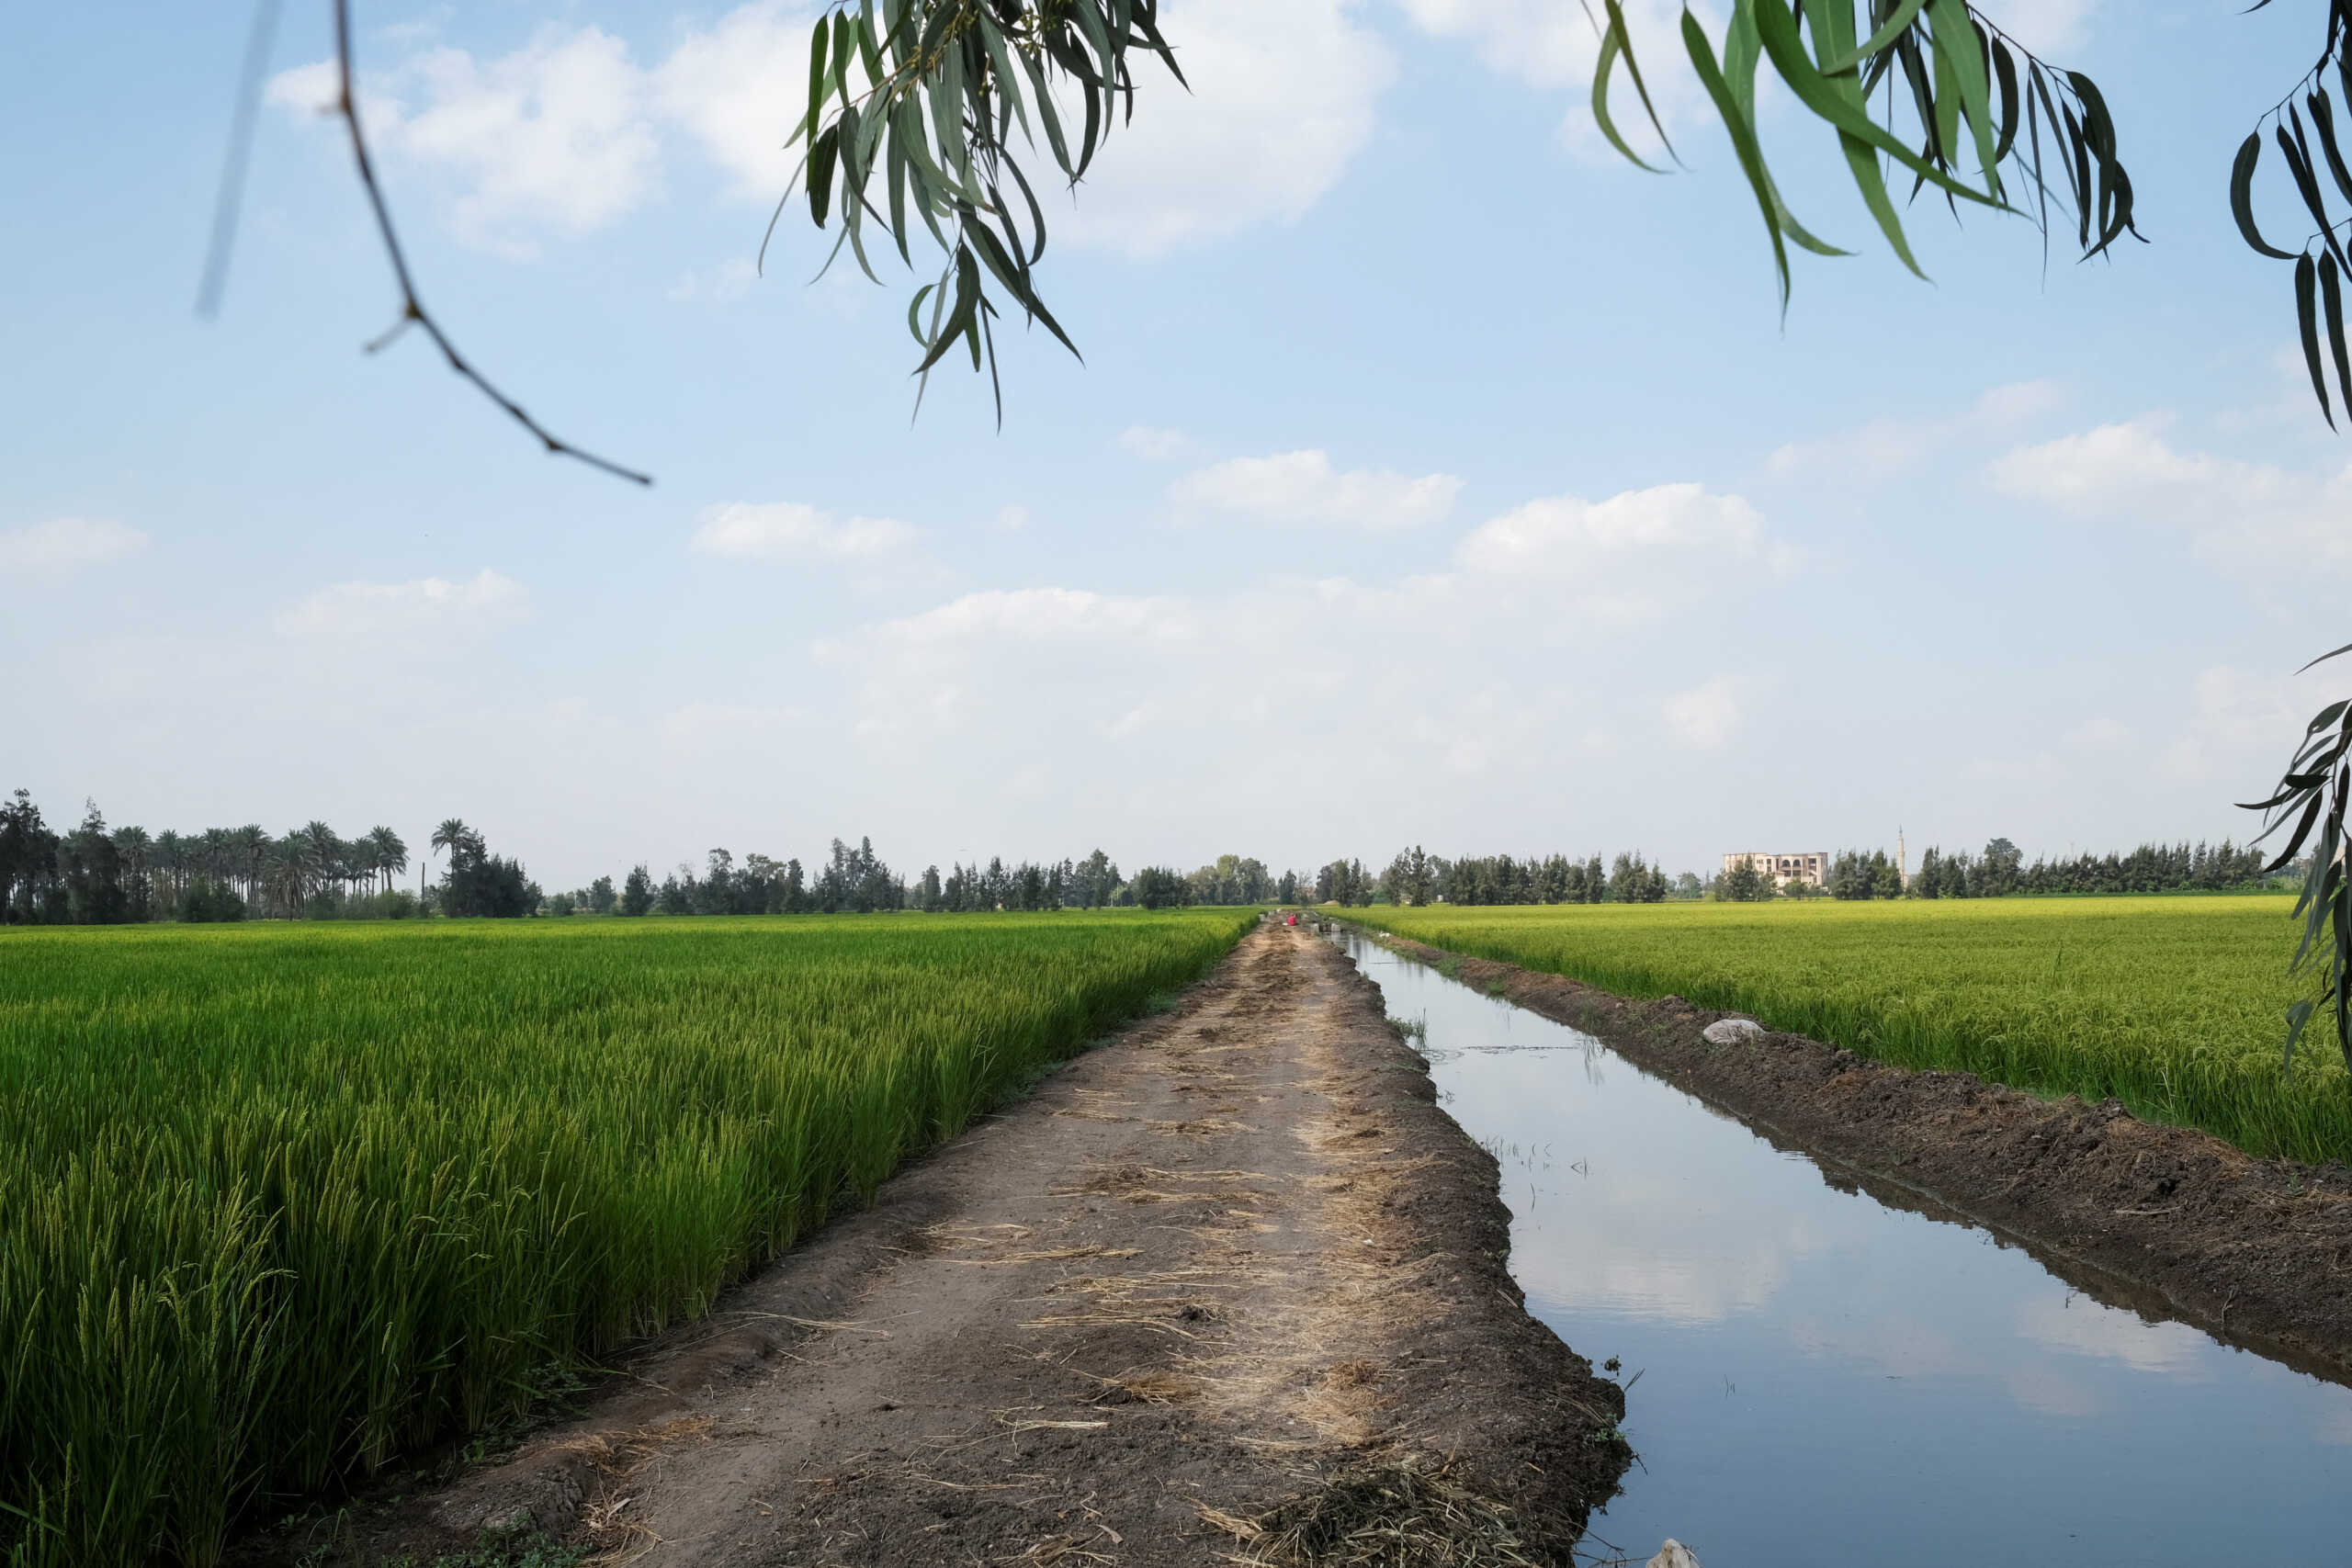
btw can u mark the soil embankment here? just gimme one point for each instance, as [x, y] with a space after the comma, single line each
[2170, 1220]
[1229, 1287]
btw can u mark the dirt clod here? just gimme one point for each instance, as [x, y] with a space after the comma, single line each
[1400, 1518]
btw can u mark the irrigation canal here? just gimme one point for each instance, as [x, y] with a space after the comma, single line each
[1816, 1377]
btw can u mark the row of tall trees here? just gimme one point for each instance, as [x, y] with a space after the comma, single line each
[2151, 868]
[2000, 870]
[1086, 885]
[855, 880]
[1344, 882]
[1416, 877]
[479, 884]
[1856, 874]
[93, 874]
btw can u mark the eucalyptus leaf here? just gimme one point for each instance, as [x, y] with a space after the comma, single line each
[1743, 139]
[2242, 197]
[2307, 322]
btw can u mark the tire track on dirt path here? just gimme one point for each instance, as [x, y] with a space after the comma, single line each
[1176, 1307]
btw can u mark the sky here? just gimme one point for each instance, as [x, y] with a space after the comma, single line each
[1432, 476]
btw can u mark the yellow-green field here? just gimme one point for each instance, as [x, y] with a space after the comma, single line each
[277, 1203]
[2174, 1006]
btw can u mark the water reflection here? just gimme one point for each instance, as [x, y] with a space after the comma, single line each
[1836, 1375]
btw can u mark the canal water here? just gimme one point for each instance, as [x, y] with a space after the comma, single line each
[1818, 1380]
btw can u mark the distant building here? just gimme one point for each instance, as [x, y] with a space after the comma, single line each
[1811, 868]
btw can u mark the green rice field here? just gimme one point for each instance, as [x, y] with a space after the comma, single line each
[2174, 1006]
[279, 1203]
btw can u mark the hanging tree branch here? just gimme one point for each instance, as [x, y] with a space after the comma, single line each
[916, 108]
[2314, 796]
[2310, 801]
[1970, 89]
[2320, 262]
[412, 311]
[913, 110]
[230, 197]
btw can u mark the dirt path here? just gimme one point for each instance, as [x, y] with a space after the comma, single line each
[2168, 1221]
[1176, 1306]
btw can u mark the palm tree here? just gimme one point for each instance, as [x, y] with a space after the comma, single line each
[323, 854]
[452, 835]
[171, 862]
[249, 848]
[215, 853]
[391, 855]
[135, 846]
[281, 874]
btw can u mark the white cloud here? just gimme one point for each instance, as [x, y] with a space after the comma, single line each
[1881, 448]
[1043, 615]
[1542, 44]
[560, 133]
[311, 89]
[1156, 446]
[1303, 487]
[2237, 722]
[787, 530]
[2114, 466]
[357, 610]
[1707, 715]
[1630, 559]
[1003, 665]
[1282, 101]
[1562, 535]
[567, 132]
[1011, 518]
[62, 544]
[2250, 516]
[734, 89]
[1555, 45]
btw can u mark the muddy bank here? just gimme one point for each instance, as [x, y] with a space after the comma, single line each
[1230, 1286]
[2169, 1221]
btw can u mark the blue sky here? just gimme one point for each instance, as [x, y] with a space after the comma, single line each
[1432, 476]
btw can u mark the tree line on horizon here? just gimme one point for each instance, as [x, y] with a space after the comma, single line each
[1416, 877]
[2000, 871]
[855, 880]
[2149, 868]
[94, 875]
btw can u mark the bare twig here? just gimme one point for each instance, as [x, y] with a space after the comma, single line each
[239, 155]
[412, 311]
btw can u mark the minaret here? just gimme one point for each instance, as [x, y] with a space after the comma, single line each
[1902, 857]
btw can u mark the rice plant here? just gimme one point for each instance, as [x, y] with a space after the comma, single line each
[2174, 1006]
[278, 1204]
